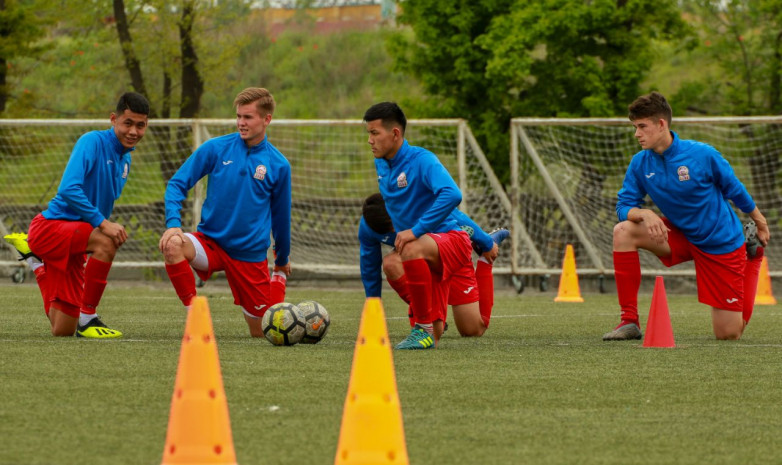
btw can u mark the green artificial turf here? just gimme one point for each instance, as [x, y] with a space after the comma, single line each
[540, 387]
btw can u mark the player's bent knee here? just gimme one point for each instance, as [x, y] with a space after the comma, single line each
[57, 332]
[392, 266]
[472, 331]
[101, 244]
[173, 248]
[412, 251]
[623, 233]
[728, 334]
[728, 325]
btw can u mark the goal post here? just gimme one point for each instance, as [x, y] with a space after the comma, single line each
[332, 173]
[565, 175]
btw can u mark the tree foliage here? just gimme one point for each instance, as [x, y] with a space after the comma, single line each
[743, 38]
[490, 60]
[19, 30]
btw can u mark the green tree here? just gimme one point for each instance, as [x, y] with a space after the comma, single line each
[181, 33]
[744, 39]
[19, 31]
[491, 60]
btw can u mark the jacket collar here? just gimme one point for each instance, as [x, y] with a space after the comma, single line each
[401, 154]
[116, 145]
[673, 148]
[260, 146]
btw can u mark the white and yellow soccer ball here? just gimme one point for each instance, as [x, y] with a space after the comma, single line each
[283, 324]
[317, 321]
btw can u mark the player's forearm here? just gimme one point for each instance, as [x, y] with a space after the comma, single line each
[447, 200]
[77, 201]
[758, 217]
[637, 215]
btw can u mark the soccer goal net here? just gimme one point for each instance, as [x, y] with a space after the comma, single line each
[332, 168]
[565, 175]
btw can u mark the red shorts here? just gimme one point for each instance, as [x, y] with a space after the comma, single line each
[249, 282]
[455, 284]
[720, 278]
[62, 245]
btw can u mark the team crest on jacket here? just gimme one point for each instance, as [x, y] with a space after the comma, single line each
[683, 172]
[125, 171]
[401, 180]
[260, 172]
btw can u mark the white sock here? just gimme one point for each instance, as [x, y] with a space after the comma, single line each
[34, 263]
[429, 327]
[85, 318]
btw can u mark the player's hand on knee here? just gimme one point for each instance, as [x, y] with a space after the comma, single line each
[115, 231]
[655, 227]
[285, 268]
[403, 238]
[166, 237]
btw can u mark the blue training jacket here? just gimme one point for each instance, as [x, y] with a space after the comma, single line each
[248, 197]
[691, 183]
[371, 256]
[93, 179]
[418, 191]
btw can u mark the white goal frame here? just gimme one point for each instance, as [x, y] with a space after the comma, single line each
[543, 149]
[485, 199]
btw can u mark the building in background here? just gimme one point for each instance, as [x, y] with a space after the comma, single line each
[326, 16]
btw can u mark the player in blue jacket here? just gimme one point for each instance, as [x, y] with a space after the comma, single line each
[248, 199]
[76, 223]
[420, 195]
[376, 229]
[691, 183]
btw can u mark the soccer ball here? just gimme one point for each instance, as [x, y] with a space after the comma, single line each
[317, 321]
[283, 324]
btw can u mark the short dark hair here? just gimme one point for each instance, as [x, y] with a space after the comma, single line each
[652, 105]
[375, 214]
[134, 102]
[389, 113]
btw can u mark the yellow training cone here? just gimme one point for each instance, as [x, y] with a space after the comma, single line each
[568, 281]
[372, 431]
[199, 430]
[764, 295]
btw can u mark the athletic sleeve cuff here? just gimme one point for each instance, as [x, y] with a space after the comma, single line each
[96, 220]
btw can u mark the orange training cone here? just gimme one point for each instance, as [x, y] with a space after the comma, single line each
[659, 332]
[372, 431]
[568, 280]
[199, 430]
[764, 295]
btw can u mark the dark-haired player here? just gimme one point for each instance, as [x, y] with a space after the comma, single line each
[76, 223]
[691, 183]
[420, 195]
[376, 229]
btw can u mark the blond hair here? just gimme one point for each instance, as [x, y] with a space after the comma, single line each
[264, 101]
